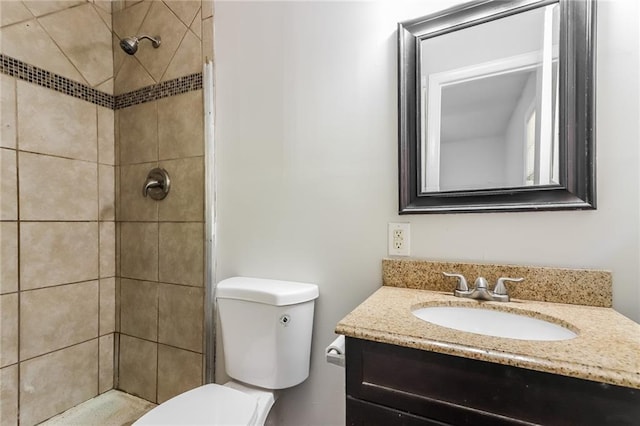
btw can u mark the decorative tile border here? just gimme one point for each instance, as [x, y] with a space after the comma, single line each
[44, 78]
[16, 68]
[161, 90]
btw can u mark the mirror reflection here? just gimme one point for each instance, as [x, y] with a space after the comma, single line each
[490, 115]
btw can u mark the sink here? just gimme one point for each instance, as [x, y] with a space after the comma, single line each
[493, 323]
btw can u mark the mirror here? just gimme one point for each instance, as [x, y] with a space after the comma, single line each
[497, 107]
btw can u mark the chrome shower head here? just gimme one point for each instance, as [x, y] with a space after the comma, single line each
[130, 44]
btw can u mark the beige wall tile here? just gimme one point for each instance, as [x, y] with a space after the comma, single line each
[117, 171]
[139, 250]
[8, 185]
[196, 27]
[207, 8]
[118, 303]
[129, 3]
[54, 253]
[106, 138]
[139, 309]
[138, 133]
[127, 22]
[12, 12]
[8, 257]
[178, 371]
[138, 367]
[117, 5]
[29, 42]
[69, 185]
[107, 305]
[118, 244]
[56, 317]
[185, 202]
[87, 42]
[186, 10]
[118, 59]
[181, 253]
[39, 7]
[130, 75]
[107, 249]
[207, 38]
[9, 396]
[160, 20]
[116, 359]
[116, 136]
[181, 316]
[9, 329]
[105, 376]
[180, 125]
[106, 87]
[44, 124]
[133, 205]
[8, 106]
[104, 5]
[57, 381]
[187, 60]
[105, 14]
[107, 192]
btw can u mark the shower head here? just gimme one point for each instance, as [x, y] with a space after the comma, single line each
[130, 44]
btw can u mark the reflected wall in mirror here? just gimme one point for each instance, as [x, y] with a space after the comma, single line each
[496, 107]
[490, 113]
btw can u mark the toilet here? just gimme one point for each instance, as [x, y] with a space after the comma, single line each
[266, 334]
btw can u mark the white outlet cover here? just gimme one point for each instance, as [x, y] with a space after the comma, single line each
[399, 241]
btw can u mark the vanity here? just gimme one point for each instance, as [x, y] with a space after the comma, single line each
[402, 370]
[417, 355]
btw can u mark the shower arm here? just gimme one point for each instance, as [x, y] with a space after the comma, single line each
[155, 41]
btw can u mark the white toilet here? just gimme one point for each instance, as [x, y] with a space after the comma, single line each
[266, 332]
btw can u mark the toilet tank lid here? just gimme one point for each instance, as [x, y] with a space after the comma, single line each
[270, 292]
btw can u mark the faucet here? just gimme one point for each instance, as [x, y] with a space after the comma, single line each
[481, 290]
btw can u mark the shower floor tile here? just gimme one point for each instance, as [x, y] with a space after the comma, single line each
[112, 408]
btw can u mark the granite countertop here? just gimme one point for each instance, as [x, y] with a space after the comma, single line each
[607, 348]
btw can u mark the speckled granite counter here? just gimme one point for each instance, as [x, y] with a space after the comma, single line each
[559, 285]
[606, 350]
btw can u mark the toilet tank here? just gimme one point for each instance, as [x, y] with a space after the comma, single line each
[266, 330]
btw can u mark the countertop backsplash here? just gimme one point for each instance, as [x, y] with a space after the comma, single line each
[559, 285]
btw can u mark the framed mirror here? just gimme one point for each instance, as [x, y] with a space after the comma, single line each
[497, 107]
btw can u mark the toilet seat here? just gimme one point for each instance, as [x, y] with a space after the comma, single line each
[205, 405]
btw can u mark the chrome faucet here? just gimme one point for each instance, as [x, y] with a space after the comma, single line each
[481, 290]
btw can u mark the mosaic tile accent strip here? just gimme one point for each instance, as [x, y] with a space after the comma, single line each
[161, 90]
[16, 68]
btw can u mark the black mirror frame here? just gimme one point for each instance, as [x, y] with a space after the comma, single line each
[577, 112]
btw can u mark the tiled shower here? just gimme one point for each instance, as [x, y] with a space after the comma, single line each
[100, 288]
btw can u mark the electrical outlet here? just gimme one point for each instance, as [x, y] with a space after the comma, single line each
[399, 239]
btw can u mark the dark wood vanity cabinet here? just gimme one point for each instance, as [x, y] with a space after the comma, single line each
[392, 385]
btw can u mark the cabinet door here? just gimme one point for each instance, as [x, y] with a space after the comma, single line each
[361, 413]
[461, 391]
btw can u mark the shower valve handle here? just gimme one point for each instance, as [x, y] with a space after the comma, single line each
[157, 184]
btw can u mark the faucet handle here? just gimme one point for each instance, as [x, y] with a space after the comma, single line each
[462, 281]
[501, 288]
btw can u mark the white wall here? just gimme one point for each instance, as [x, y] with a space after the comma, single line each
[306, 140]
[474, 164]
[504, 38]
[516, 134]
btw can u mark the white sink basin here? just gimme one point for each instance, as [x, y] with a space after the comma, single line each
[493, 323]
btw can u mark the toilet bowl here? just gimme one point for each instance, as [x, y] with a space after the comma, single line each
[229, 404]
[266, 334]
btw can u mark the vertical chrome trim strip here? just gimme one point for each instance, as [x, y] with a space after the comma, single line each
[209, 219]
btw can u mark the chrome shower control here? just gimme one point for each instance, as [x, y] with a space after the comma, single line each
[157, 184]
